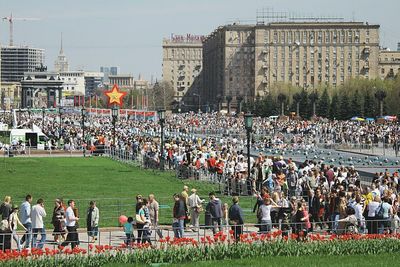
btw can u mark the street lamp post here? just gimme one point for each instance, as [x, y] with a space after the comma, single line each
[83, 113]
[199, 103]
[114, 113]
[248, 124]
[43, 111]
[161, 118]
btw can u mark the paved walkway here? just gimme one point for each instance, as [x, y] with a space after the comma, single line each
[116, 236]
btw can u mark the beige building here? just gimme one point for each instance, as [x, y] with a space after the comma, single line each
[182, 66]
[10, 95]
[244, 61]
[389, 64]
[124, 81]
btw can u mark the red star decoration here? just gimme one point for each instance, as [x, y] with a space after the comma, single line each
[115, 96]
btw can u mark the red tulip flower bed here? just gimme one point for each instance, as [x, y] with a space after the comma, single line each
[218, 247]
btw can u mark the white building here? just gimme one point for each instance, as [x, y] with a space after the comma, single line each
[74, 82]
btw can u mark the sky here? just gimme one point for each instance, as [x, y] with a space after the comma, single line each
[129, 33]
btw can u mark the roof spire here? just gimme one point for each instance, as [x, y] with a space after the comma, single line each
[61, 49]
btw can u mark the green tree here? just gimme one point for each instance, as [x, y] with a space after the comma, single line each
[344, 107]
[334, 107]
[305, 110]
[323, 104]
[356, 108]
[369, 105]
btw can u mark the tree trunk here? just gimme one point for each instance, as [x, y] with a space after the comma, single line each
[282, 108]
[298, 109]
[381, 107]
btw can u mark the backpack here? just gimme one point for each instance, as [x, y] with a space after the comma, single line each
[379, 212]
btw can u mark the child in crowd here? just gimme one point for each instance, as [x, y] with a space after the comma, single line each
[128, 229]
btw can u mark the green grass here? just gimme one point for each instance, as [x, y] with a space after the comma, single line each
[112, 184]
[342, 261]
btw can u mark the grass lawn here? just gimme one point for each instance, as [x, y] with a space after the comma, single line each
[112, 184]
[342, 261]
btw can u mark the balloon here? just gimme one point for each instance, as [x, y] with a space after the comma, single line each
[122, 219]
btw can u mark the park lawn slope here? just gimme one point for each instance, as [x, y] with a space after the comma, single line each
[112, 184]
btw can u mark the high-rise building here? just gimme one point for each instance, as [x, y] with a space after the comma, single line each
[15, 60]
[109, 71]
[61, 64]
[182, 65]
[92, 81]
[398, 46]
[244, 61]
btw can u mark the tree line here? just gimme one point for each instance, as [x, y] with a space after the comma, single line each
[356, 97]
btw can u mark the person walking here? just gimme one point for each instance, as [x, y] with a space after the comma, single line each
[195, 205]
[214, 209]
[13, 225]
[236, 218]
[25, 218]
[92, 221]
[5, 208]
[179, 215]
[58, 221]
[37, 215]
[72, 237]
[154, 208]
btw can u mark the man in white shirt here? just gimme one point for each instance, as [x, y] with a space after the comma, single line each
[72, 237]
[195, 208]
[37, 215]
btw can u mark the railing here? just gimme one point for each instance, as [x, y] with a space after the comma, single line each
[153, 234]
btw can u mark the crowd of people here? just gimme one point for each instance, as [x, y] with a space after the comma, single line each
[65, 221]
[295, 197]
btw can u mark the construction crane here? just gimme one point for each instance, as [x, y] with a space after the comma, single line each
[11, 19]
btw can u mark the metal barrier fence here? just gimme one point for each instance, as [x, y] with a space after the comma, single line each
[153, 234]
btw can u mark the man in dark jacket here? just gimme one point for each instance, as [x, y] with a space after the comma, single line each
[214, 209]
[236, 218]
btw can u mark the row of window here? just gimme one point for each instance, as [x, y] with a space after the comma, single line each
[311, 37]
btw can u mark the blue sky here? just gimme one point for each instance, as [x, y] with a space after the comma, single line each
[129, 33]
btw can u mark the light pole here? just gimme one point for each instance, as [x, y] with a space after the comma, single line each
[60, 112]
[248, 124]
[114, 114]
[43, 111]
[83, 115]
[198, 95]
[161, 118]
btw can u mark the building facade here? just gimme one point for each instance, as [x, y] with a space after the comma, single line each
[389, 64]
[10, 95]
[93, 80]
[124, 81]
[182, 66]
[109, 71]
[74, 82]
[242, 62]
[16, 60]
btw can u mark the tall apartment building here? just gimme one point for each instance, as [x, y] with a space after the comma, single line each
[182, 66]
[15, 60]
[389, 64]
[109, 71]
[244, 61]
[92, 81]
